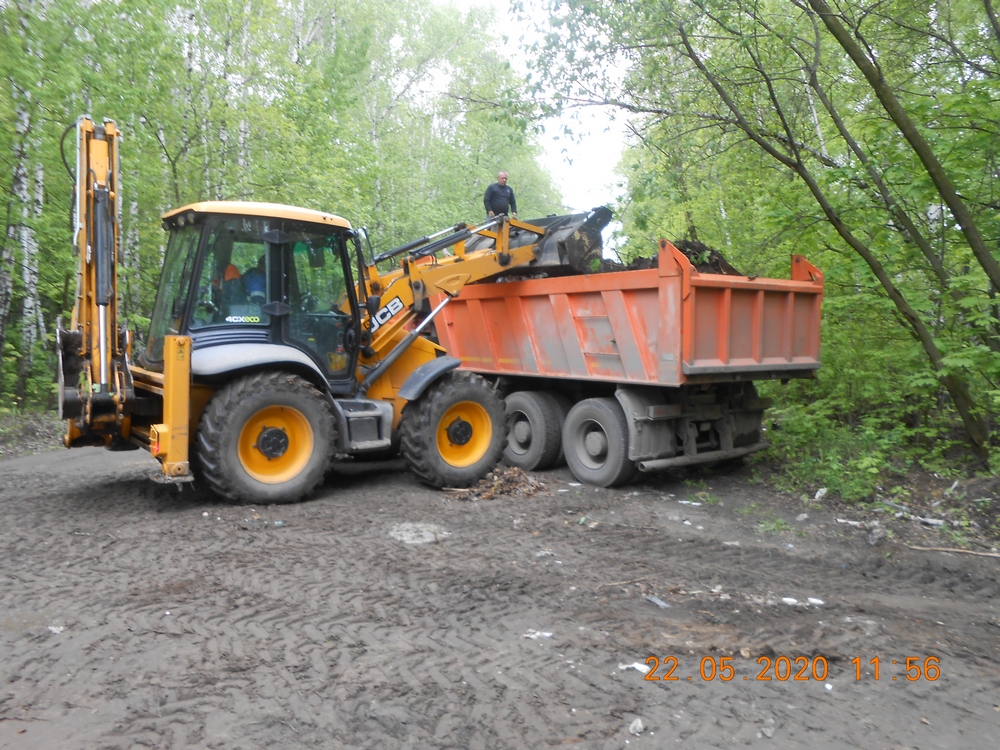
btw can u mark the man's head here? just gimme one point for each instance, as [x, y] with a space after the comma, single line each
[502, 178]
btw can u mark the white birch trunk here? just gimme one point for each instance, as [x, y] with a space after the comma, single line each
[30, 208]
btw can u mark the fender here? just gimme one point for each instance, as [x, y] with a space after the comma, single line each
[426, 374]
[216, 360]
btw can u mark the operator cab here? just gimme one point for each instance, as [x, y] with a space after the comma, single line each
[260, 273]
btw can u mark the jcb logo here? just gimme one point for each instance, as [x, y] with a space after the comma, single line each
[384, 315]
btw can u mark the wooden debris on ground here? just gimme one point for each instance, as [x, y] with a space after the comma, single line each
[504, 481]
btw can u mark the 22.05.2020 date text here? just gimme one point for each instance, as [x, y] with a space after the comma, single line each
[783, 668]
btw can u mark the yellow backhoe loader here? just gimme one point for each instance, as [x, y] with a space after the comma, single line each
[275, 344]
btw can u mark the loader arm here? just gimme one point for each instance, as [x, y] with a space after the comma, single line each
[390, 350]
[405, 291]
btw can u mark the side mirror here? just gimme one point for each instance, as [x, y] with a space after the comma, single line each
[373, 303]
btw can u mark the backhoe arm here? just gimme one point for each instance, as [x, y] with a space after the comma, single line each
[95, 387]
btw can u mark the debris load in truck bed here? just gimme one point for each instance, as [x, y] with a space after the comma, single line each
[702, 257]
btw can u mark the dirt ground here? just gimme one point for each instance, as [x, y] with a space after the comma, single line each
[385, 614]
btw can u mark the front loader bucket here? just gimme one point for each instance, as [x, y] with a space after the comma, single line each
[571, 243]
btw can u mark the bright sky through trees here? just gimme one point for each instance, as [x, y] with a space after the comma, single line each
[583, 167]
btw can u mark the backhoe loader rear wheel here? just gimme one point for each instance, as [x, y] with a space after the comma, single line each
[266, 438]
[454, 434]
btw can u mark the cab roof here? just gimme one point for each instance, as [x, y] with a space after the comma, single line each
[263, 210]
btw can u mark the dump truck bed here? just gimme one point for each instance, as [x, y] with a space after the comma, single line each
[666, 326]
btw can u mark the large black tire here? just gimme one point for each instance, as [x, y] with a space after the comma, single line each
[454, 434]
[595, 438]
[266, 438]
[534, 435]
[563, 404]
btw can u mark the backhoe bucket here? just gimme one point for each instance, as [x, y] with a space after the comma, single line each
[571, 243]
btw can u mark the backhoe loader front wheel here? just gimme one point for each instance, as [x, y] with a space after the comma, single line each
[454, 434]
[266, 438]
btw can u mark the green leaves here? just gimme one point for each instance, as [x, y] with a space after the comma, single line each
[394, 114]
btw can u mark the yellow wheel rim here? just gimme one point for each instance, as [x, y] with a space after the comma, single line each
[464, 433]
[275, 444]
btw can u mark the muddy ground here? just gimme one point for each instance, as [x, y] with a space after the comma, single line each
[385, 614]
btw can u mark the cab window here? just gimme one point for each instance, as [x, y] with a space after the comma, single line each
[234, 283]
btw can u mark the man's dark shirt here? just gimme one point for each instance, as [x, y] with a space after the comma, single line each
[500, 199]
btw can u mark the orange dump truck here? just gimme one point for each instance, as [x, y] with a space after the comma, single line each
[636, 370]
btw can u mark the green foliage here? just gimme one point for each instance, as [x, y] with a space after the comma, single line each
[758, 135]
[395, 115]
[773, 527]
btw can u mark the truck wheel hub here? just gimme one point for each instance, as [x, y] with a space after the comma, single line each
[522, 431]
[459, 432]
[596, 443]
[272, 442]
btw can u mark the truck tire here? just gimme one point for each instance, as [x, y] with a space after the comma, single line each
[534, 435]
[454, 434]
[595, 438]
[266, 438]
[563, 404]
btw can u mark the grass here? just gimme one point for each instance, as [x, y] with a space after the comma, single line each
[773, 527]
[746, 510]
[707, 498]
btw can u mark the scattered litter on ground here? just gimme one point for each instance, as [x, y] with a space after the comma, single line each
[508, 481]
[688, 502]
[644, 668]
[828, 686]
[801, 516]
[731, 544]
[930, 521]
[545, 553]
[636, 727]
[205, 514]
[877, 535]
[574, 484]
[56, 629]
[789, 600]
[657, 601]
[534, 635]
[820, 494]
[856, 524]
[815, 602]
[687, 523]
[417, 533]
[897, 506]
[953, 549]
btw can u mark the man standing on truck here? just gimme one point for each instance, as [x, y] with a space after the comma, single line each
[499, 198]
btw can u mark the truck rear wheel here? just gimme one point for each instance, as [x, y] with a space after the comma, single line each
[563, 404]
[266, 438]
[534, 436]
[454, 434]
[595, 438]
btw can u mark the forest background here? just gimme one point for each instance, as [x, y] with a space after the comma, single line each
[862, 135]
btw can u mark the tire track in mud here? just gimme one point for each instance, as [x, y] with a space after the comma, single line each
[326, 632]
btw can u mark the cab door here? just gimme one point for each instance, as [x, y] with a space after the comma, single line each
[318, 289]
